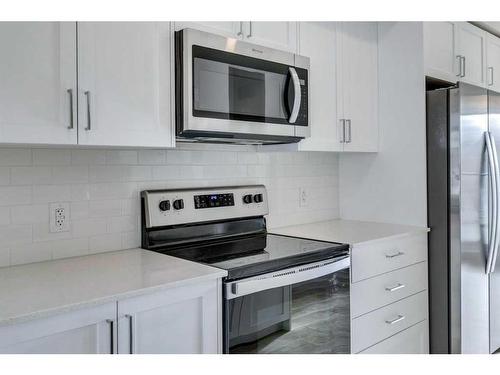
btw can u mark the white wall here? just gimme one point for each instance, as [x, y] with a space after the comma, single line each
[390, 186]
[103, 187]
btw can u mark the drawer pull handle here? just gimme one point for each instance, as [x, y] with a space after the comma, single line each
[396, 320]
[395, 287]
[390, 256]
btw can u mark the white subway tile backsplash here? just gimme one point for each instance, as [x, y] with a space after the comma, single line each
[87, 157]
[51, 157]
[29, 253]
[30, 175]
[37, 213]
[103, 189]
[4, 176]
[121, 157]
[4, 216]
[11, 195]
[51, 193]
[89, 227]
[4, 256]
[15, 156]
[106, 242]
[152, 157]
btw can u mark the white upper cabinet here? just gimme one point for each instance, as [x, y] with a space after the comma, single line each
[471, 53]
[229, 29]
[38, 82]
[279, 35]
[357, 85]
[440, 60]
[493, 62]
[124, 84]
[177, 321]
[317, 40]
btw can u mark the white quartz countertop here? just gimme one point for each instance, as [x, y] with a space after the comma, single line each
[347, 231]
[42, 289]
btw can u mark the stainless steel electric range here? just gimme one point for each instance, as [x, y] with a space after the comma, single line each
[282, 294]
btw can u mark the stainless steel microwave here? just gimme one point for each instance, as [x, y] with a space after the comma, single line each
[231, 91]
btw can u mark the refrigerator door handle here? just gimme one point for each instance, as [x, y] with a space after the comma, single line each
[493, 169]
[497, 193]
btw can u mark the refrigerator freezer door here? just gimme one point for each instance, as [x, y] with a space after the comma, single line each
[474, 307]
[494, 126]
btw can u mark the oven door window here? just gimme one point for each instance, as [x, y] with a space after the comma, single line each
[236, 87]
[308, 317]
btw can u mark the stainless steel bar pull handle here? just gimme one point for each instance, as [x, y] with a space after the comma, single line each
[491, 76]
[399, 318]
[71, 119]
[297, 95]
[497, 191]
[89, 119]
[459, 74]
[249, 29]
[493, 227]
[349, 136]
[394, 255]
[131, 332]
[395, 287]
[463, 66]
[342, 130]
[111, 323]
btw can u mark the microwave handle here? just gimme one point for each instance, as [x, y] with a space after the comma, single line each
[297, 95]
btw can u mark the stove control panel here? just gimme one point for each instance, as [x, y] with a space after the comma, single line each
[213, 200]
[185, 206]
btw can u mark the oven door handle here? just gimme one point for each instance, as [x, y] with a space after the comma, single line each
[297, 95]
[285, 277]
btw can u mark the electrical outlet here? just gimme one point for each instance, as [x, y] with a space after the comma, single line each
[59, 217]
[303, 201]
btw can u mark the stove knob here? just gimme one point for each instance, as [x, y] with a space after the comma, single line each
[247, 198]
[164, 205]
[179, 204]
[258, 198]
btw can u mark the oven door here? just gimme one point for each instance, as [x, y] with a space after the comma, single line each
[236, 88]
[303, 310]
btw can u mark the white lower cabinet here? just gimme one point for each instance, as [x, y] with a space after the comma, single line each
[86, 331]
[185, 319]
[389, 297]
[414, 340]
[182, 320]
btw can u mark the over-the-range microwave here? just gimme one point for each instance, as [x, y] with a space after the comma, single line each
[231, 91]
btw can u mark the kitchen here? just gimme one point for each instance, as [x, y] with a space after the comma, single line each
[173, 187]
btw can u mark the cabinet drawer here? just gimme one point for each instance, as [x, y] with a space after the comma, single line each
[380, 324]
[370, 294]
[414, 340]
[374, 258]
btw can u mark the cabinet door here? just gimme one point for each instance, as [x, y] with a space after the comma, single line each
[37, 80]
[86, 331]
[358, 84]
[279, 35]
[471, 44]
[317, 41]
[181, 320]
[229, 29]
[493, 62]
[124, 84]
[439, 51]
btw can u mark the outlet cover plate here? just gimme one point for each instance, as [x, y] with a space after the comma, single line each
[59, 217]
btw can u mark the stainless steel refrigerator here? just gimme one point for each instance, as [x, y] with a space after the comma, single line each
[463, 184]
